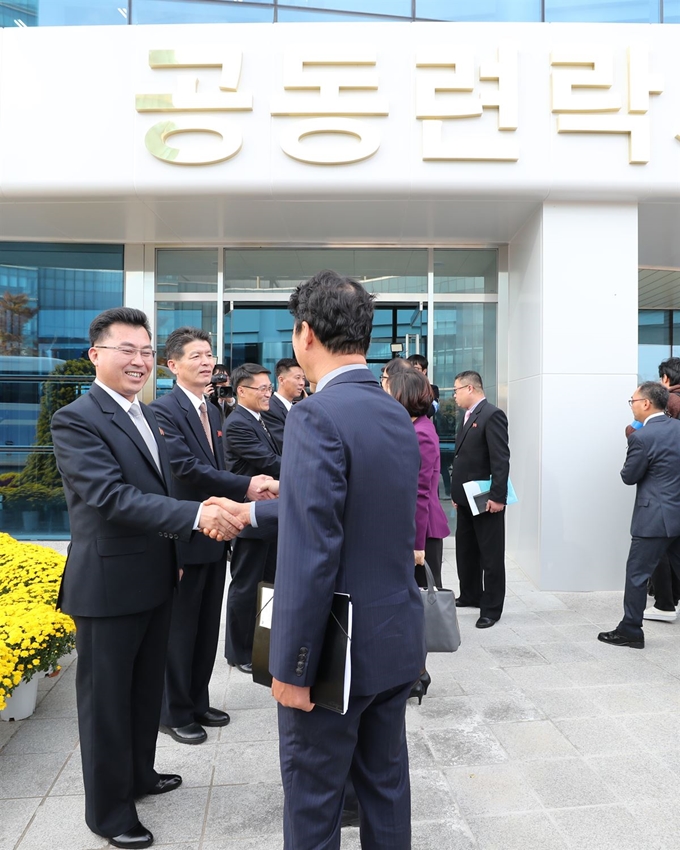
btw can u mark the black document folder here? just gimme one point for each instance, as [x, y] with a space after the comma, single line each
[333, 675]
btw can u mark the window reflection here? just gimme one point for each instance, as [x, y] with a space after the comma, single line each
[196, 12]
[465, 271]
[606, 11]
[480, 10]
[180, 270]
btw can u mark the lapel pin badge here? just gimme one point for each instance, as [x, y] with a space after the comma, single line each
[219, 433]
[474, 424]
[162, 432]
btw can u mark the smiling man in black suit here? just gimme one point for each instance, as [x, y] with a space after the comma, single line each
[290, 381]
[249, 449]
[194, 439]
[482, 452]
[121, 569]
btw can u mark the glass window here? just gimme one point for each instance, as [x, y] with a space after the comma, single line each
[196, 12]
[49, 294]
[465, 271]
[654, 342]
[171, 315]
[257, 335]
[75, 13]
[287, 14]
[481, 10]
[179, 270]
[380, 270]
[401, 8]
[606, 11]
[19, 14]
[671, 11]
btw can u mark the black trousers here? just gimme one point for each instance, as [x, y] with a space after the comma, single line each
[643, 557]
[194, 633]
[666, 586]
[434, 551]
[320, 749]
[252, 561]
[119, 687]
[480, 558]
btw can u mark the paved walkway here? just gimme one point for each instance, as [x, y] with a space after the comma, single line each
[533, 736]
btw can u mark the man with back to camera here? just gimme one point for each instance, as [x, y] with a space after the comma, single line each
[290, 381]
[482, 452]
[665, 584]
[120, 572]
[653, 465]
[350, 448]
[249, 449]
[193, 435]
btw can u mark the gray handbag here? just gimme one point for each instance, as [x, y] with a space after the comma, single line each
[441, 621]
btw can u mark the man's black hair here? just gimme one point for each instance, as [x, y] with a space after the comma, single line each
[99, 327]
[656, 393]
[243, 374]
[670, 369]
[174, 344]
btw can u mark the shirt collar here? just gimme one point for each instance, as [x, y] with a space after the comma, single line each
[284, 401]
[339, 371]
[197, 402]
[117, 397]
[653, 416]
[252, 412]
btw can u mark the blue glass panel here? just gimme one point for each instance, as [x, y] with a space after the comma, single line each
[75, 13]
[19, 14]
[185, 12]
[671, 11]
[481, 10]
[287, 14]
[605, 11]
[400, 8]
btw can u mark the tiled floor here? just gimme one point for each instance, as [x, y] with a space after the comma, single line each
[533, 736]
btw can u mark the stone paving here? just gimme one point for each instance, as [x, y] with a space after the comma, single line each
[533, 736]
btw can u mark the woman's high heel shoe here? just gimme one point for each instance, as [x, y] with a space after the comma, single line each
[417, 691]
[426, 681]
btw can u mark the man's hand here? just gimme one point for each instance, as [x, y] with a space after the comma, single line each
[494, 507]
[269, 489]
[222, 519]
[291, 696]
[419, 555]
[209, 389]
[260, 489]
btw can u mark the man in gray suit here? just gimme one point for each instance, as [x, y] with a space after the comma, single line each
[653, 463]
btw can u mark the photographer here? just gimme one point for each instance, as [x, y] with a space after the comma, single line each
[220, 392]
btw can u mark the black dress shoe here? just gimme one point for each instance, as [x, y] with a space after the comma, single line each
[485, 623]
[138, 836]
[615, 638]
[166, 782]
[192, 733]
[213, 717]
[462, 604]
[244, 668]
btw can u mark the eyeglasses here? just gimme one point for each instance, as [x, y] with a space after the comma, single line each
[197, 357]
[129, 351]
[457, 389]
[631, 401]
[384, 378]
[263, 389]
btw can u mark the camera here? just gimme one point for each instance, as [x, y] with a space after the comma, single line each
[221, 392]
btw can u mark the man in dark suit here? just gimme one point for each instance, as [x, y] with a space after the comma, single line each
[349, 449]
[290, 381]
[121, 570]
[193, 435]
[249, 449]
[482, 452]
[653, 464]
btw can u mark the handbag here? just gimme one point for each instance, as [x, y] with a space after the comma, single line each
[441, 620]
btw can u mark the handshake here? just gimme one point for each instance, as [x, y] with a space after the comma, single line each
[223, 519]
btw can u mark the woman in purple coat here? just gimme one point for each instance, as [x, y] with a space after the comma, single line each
[412, 390]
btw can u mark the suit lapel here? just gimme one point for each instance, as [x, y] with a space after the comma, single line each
[194, 422]
[123, 421]
[472, 418]
[216, 428]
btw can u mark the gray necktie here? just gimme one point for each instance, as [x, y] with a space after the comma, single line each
[143, 427]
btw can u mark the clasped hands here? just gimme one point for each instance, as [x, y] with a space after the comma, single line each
[222, 519]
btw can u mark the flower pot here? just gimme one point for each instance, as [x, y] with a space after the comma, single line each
[22, 702]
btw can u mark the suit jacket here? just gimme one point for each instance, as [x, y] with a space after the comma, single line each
[344, 495]
[122, 558]
[430, 517]
[197, 471]
[653, 464]
[482, 452]
[275, 419]
[248, 449]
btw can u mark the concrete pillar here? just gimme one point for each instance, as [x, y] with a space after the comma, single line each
[572, 365]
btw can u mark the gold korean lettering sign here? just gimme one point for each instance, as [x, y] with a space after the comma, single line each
[218, 142]
[331, 91]
[582, 78]
[452, 88]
